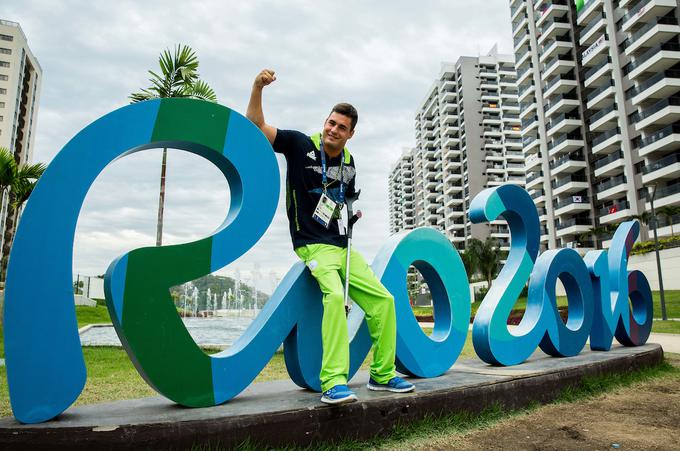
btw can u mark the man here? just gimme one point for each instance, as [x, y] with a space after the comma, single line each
[320, 175]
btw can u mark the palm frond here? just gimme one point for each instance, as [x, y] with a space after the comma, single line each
[201, 90]
[8, 168]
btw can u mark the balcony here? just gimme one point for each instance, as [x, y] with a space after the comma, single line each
[667, 195]
[524, 92]
[552, 9]
[523, 74]
[551, 28]
[666, 168]
[644, 11]
[573, 226]
[613, 187]
[587, 13]
[529, 124]
[664, 140]
[538, 197]
[569, 184]
[591, 31]
[600, 96]
[654, 60]
[654, 33]
[520, 25]
[561, 84]
[564, 123]
[530, 145]
[663, 112]
[603, 119]
[568, 164]
[572, 205]
[596, 52]
[561, 104]
[558, 46]
[534, 180]
[526, 108]
[533, 162]
[520, 41]
[565, 143]
[609, 165]
[614, 213]
[516, 9]
[607, 142]
[559, 65]
[597, 74]
[659, 86]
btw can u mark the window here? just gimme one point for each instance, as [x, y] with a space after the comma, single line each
[4, 77]
[5, 37]
[5, 51]
[4, 64]
[2, 104]
[2, 118]
[3, 91]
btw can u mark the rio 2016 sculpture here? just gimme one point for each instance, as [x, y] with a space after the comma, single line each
[45, 366]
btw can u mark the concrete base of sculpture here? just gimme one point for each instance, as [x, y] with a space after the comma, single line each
[279, 413]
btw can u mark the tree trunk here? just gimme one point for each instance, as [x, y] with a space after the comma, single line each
[161, 201]
[10, 229]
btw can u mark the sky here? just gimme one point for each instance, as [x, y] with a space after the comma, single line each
[380, 56]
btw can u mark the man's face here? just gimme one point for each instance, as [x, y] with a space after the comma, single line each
[337, 130]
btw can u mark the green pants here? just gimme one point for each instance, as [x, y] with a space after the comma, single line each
[327, 264]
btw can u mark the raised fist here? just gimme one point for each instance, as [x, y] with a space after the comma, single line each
[264, 78]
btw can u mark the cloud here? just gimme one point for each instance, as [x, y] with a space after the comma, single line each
[380, 56]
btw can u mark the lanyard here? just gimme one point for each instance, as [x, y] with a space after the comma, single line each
[324, 177]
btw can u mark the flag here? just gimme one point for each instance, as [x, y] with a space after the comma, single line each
[579, 4]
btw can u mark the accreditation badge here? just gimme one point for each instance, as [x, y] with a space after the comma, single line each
[324, 210]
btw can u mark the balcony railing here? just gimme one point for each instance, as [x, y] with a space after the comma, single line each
[602, 162]
[552, 22]
[658, 106]
[662, 163]
[602, 137]
[637, 62]
[562, 117]
[613, 208]
[573, 222]
[566, 96]
[570, 157]
[533, 176]
[615, 181]
[658, 135]
[592, 24]
[564, 57]
[600, 114]
[638, 34]
[652, 81]
[571, 200]
[538, 194]
[668, 190]
[573, 135]
[599, 91]
[590, 72]
[568, 179]
[556, 80]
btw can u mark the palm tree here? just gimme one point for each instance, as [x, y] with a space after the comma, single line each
[178, 78]
[668, 212]
[17, 181]
[645, 217]
[486, 256]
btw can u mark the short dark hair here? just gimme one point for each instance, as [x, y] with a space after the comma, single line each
[347, 110]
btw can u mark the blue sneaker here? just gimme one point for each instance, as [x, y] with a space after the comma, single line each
[340, 394]
[396, 385]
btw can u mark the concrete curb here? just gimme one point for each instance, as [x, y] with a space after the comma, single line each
[277, 413]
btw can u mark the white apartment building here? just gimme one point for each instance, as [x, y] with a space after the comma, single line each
[20, 79]
[599, 92]
[468, 137]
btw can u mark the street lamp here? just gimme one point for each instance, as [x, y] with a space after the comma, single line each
[658, 258]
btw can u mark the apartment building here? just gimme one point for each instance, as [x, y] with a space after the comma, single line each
[599, 93]
[20, 79]
[468, 137]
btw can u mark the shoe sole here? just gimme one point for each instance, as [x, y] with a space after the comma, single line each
[393, 390]
[345, 400]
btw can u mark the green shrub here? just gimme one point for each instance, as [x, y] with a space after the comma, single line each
[644, 247]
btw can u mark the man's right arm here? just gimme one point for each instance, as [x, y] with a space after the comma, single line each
[254, 112]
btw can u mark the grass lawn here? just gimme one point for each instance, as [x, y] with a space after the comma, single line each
[666, 327]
